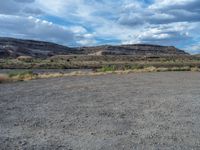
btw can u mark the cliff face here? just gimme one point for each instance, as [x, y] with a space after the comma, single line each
[10, 47]
[134, 49]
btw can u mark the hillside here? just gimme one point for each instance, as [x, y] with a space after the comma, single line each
[10, 47]
[133, 49]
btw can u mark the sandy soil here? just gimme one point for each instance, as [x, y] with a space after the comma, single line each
[110, 112]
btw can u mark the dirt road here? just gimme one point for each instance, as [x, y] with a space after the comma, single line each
[110, 112]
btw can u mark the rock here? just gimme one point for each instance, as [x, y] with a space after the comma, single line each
[10, 47]
[25, 58]
[13, 48]
[134, 49]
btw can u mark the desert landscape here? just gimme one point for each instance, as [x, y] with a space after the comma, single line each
[99, 75]
[98, 98]
[27, 59]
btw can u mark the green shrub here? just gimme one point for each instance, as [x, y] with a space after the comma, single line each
[137, 67]
[108, 68]
[20, 74]
[121, 67]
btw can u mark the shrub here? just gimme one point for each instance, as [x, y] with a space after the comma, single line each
[3, 78]
[108, 68]
[22, 75]
[25, 58]
[137, 67]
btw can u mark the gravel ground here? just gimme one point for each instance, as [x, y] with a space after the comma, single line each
[110, 112]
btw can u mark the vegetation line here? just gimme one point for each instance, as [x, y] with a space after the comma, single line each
[111, 69]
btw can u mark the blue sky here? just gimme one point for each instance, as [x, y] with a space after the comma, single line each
[96, 22]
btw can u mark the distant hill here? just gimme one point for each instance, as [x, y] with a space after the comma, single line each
[133, 49]
[11, 47]
[197, 55]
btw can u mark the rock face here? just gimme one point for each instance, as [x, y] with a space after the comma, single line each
[133, 49]
[10, 47]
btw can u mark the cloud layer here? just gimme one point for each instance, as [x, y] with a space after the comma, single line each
[94, 22]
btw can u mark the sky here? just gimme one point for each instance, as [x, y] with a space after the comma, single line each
[100, 22]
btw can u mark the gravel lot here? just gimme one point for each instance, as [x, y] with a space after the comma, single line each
[110, 112]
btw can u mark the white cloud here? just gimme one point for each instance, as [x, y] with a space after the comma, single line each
[19, 7]
[34, 28]
[87, 42]
[30, 27]
[165, 22]
[193, 48]
[160, 4]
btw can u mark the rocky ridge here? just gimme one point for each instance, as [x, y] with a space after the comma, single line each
[11, 47]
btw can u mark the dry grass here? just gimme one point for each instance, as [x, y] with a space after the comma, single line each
[24, 76]
[195, 69]
[4, 78]
[25, 58]
[83, 61]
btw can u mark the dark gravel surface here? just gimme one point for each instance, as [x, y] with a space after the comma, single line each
[110, 112]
